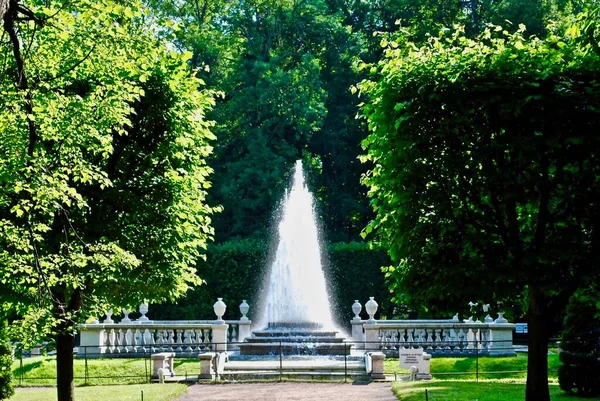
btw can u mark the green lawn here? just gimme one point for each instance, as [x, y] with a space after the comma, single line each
[449, 390]
[448, 368]
[41, 371]
[152, 392]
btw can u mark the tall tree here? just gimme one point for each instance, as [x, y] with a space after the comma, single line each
[103, 177]
[486, 160]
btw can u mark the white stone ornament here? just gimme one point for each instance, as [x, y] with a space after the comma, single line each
[126, 318]
[488, 318]
[143, 310]
[501, 318]
[108, 317]
[244, 308]
[371, 307]
[219, 307]
[356, 308]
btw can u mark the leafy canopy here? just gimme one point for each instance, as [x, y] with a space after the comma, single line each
[103, 177]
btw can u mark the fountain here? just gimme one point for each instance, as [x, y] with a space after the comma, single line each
[297, 311]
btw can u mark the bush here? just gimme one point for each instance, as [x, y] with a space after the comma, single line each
[580, 348]
[6, 385]
[236, 270]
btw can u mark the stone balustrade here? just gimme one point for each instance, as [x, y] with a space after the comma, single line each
[185, 338]
[437, 337]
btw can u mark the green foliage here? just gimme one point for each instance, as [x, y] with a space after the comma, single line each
[233, 271]
[6, 378]
[580, 347]
[103, 178]
[354, 273]
[471, 180]
[236, 270]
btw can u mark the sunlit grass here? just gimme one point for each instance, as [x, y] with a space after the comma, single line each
[41, 371]
[464, 368]
[152, 392]
[450, 390]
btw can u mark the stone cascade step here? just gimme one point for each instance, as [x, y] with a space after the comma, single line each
[294, 341]
[296, 369]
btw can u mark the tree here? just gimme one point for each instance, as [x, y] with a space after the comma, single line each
[486, 159]
[103, 178]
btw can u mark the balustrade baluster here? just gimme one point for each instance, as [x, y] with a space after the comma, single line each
[401, 340]
[485, 343]
[198, 339]
[147, 340]
[171, 340]
[446, 340]
[410, 340]
[207, 339]
[395, 339]
[461, 340]
[137, 340]
[111, 341]
[179, 340]
[187, 335]
[429, 339]
[119, 341]
[470, 340]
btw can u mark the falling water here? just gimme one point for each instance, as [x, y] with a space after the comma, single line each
[296, 289]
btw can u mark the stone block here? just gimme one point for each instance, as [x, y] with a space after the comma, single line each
[164, 361]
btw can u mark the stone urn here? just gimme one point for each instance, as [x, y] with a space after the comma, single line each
[219, 307]
[371, 307]
[356, 308]
[109, 314]
[126, 318]
[244, 308]
[501, 318]
[143, 309]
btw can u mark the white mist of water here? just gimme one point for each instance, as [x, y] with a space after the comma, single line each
[296, 290]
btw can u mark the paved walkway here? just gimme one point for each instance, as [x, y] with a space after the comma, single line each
[290, 391]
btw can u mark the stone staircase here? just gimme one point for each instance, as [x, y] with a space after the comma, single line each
[294, 341]
[325, 368]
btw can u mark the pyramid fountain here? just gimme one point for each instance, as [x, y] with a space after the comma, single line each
[297, 313]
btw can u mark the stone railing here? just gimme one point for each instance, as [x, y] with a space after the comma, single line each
[436, 337]
[143, 336]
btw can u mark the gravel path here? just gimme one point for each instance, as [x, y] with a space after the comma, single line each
[290, 391]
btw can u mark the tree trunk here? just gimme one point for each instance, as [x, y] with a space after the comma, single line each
[64, 367]
[537, 365]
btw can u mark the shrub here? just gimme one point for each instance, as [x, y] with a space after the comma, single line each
[6, 385]
[580, 347]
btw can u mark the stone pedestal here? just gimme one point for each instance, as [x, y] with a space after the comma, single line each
[377, 365]
[92, 342]
[358, 333]
[219, 337]
[207, 365]
[244, 329]
[164, 361]
[371, 336]
[501, 343]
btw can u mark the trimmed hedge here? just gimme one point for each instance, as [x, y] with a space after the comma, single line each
[580, 348]
[235, 270]
[6, 385]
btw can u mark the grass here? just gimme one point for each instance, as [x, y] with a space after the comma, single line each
[464, 368]
[152, 392]
[449, 390]
[41, 371]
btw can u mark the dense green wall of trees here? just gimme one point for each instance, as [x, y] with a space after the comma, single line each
[235, 271]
